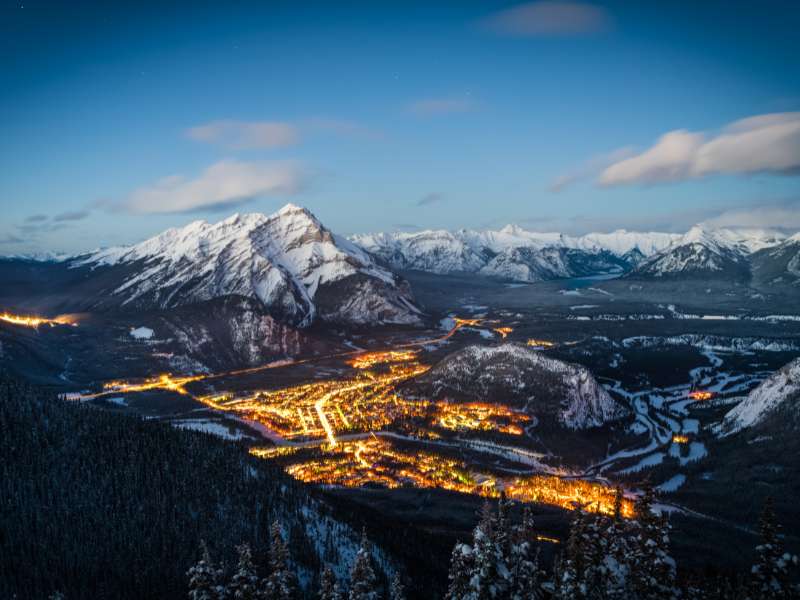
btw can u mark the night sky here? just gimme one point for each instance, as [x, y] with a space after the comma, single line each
[119, 120]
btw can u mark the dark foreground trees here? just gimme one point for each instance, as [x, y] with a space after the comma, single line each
[604, 558]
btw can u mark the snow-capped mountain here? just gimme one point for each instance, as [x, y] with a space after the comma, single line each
[288, 261]
[779, 390]
[552, 391]
[704, 252]
[514, 253]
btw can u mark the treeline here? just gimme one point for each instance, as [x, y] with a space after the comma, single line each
[208, 580]
[606, 558]
[98, 505]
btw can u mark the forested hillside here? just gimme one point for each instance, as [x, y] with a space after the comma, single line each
[100, 505]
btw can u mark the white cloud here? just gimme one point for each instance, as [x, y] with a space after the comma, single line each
[246, 135]
[441, 106]
[760, 144]
[589, 169]
[225, 183]
[549, 18]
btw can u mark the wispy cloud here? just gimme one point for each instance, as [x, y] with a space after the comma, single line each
[431, 198]
[590, 169]
[549, 18]
[441, 106]
[406, 227]
[8, 239]
[246, 135]
[224, 184]
[783, 215]
[76, 215]
[36, 219]
[761, 144]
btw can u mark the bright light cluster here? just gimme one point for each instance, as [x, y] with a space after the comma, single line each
[376, 461]
[370, 359]
[161, 382]
[28, 321]
[479, 416]
[540, 343]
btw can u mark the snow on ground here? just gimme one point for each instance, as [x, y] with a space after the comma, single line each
[648, 461]
[447, 323]
[691, 425]
[119, 401]
[672, 484]
[583, 306]
[141, 333]
[207, 426]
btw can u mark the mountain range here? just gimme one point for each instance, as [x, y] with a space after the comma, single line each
[289, 266]
[514, 254]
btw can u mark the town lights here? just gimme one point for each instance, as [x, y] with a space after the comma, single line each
[28, 321]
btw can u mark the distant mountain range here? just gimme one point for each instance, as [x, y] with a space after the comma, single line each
[514, 254]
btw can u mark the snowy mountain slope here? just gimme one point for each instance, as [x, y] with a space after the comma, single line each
[555, 392]
[779, 390]
[288, 261]
[778, 264]
[704, 252]
[531, 264]
[435, 251]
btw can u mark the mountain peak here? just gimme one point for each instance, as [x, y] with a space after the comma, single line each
[292, 208]
[512, 229]
[288, 261]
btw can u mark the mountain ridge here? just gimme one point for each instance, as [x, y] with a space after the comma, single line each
[288, 261]
[516, 254]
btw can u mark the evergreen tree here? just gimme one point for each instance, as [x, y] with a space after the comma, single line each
[568, 583]
[769, 576]
[617, 555]
[524, 562]
[328, 587]
[281, 583]
[363, 583]
[397, 591]
[653, 569]
[486, 581]
[461, 565]
[244, 584]
[205, 578]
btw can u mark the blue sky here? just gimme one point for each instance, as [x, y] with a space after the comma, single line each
[119, 121]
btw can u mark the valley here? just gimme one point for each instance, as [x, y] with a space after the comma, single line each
[355, 418]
